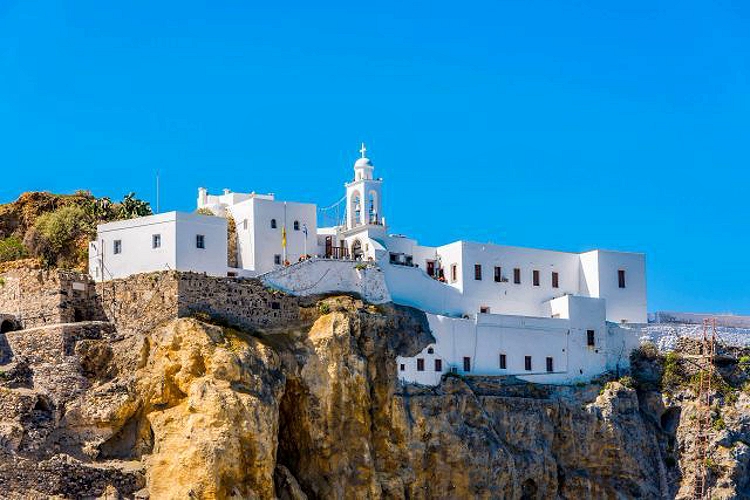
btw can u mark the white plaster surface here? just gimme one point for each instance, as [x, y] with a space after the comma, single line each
[321, 276]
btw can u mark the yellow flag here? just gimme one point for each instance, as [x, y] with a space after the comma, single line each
[283, 237]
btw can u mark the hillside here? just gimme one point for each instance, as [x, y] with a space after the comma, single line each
[309, 406]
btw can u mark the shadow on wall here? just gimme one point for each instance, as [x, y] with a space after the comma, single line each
[6, 353]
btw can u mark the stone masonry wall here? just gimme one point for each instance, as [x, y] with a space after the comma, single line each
[37, 297]
[143, 301]
[244, 303]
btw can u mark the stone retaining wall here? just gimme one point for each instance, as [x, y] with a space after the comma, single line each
[37, 297]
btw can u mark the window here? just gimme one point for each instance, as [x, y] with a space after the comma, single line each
[555, 280]
[550, 366]
[277, 259]
[527, 363]
[156, 241]
[273, 223]
[498, 274]
[402, 367]
[392, 258]
[200, 241]
[478, 272]
[621, 278]
[535, 277]
[296, 225]
[454, 273]
[503, 362]
[430, 350]
[275, 305]
[467, 364]
[484, 309]
[438, 365]
[244, 224]
[517, 276]
[117, 246]
[420, 364]
[590, 337]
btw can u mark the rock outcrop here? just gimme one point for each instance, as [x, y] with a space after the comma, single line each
[314, 409]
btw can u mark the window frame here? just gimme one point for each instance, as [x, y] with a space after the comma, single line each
[550, 364]
[200, 241]
[420, 364]
[527, 363]
[621, 283]
[274, 225]
[498, 274]
[467, 364]
[295, 225]
[590, 338]
[438, 365]
[117, 247]
[454, 273]
[477, 272]
[516, 275]
[503, 361]
[536, 277]
[277, 259]
[555, 279]
[156, 241]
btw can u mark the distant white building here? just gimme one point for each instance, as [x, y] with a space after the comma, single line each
[495, 310]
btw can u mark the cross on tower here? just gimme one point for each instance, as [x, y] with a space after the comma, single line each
[363, 150]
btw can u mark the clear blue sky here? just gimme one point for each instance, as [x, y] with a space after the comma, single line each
[564, 125]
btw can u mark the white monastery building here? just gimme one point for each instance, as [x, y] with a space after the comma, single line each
[541, 315]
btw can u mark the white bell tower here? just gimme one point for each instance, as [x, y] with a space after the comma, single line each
[364, 196]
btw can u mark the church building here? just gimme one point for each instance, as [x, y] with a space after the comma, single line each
[542, 315]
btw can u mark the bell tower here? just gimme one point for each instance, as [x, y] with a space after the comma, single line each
[364, 195]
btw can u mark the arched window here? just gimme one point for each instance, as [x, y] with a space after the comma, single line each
[273, 223]
[355, 209]
[296, 225]
[372, 207]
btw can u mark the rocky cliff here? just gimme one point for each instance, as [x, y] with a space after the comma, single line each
[313, 409]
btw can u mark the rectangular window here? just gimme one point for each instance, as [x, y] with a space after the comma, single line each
[454, 273]
[438, 365]
[200, 241]
[550, 366]
[590, 337]
[535, 277]
[467, 364]
[621, 278]
[392, 257]
[484, 309]
[527, 363]
[517, 276]
[277, 259]
[420, 364]
[402, 367]
[244, 224]
[118, 246]
[503, 362]
[555, 280]
[478, 272]
[156, 241]
[498, 274]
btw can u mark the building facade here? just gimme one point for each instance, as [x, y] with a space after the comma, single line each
[538, 314]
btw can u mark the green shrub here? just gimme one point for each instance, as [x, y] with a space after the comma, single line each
[11, 248]
[324, 308]
[628, 381]
[56, 236]
[673, 375]
[719, 424]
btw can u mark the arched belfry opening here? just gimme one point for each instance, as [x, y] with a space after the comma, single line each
[357, 253]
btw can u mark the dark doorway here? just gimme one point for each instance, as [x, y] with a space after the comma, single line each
[7, 326]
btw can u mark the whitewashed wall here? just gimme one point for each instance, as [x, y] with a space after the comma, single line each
[178, 250]
[321, 276]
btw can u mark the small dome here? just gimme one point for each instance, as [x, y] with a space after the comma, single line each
[363, 162]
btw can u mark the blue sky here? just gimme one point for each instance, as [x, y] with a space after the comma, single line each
[564, 125]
